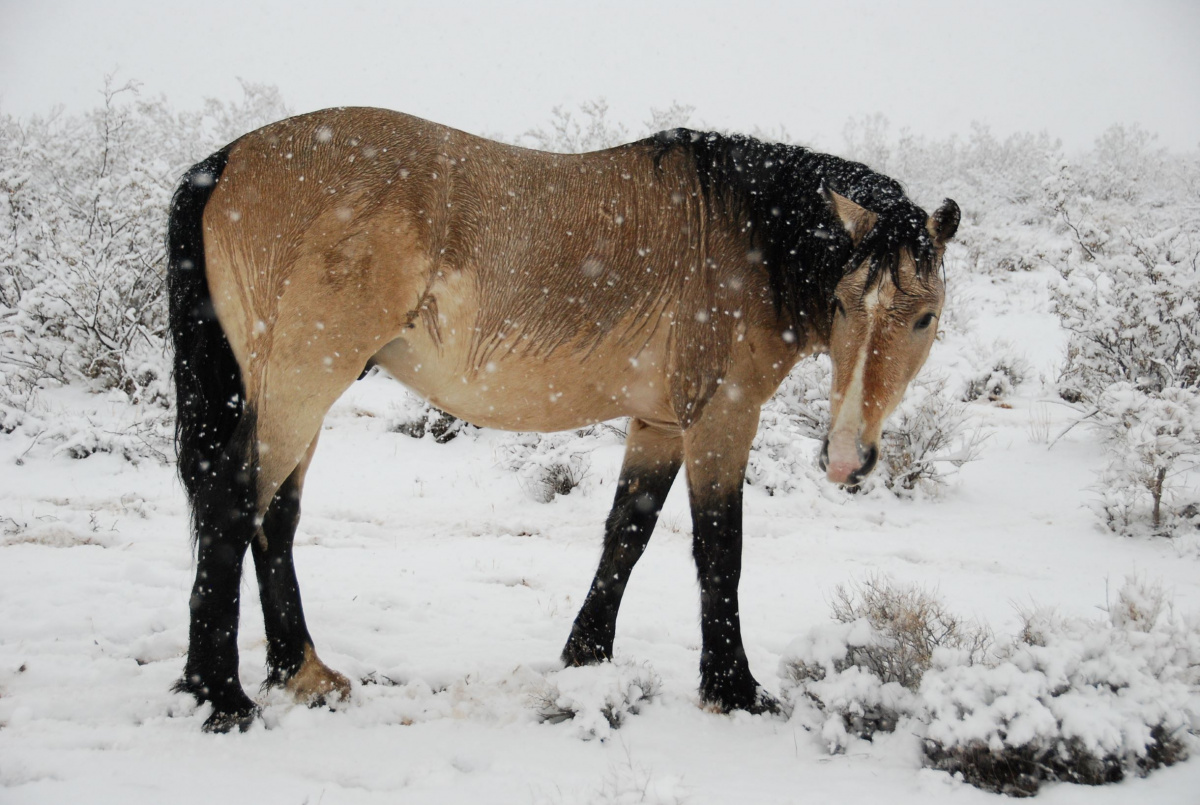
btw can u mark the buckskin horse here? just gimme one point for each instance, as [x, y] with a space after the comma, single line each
[675, 281]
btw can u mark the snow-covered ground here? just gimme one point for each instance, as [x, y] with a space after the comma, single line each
[433, 580]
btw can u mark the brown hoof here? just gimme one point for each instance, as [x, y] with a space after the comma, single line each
[316, 683]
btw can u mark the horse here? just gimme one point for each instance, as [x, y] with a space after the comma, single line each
[675, 281]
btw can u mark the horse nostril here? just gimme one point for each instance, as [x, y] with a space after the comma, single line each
[823, 460]
[869, 464]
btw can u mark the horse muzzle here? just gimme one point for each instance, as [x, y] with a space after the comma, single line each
[846, 461]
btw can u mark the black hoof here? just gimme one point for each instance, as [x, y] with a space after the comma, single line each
[231, 709]
[749, 696]
[582, 651]
[222, 721]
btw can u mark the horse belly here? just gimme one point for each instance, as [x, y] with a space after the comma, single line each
[526, 392]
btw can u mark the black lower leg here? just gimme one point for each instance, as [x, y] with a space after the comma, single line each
[278, 590]
[224, 513]
[639, 498]
[725, 678]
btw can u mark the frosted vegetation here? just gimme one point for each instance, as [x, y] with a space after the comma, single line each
[1115, 232]
[1081, 700]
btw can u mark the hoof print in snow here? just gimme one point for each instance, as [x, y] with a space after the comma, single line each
[375, 678]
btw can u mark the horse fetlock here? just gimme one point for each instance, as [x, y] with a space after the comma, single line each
[316, 684]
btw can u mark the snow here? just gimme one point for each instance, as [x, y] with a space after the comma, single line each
[443, 578]
[429, 572]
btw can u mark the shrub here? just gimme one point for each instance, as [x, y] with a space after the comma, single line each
[1130, 298]
[1005, 370]
[1133, 311]
[589, 128]
[927, 434]
[416, 418]
[1151, 440]
[552, 464]
[597, 698]
[790, 430]
[83, 203]
[863, 672]
[1072, 700]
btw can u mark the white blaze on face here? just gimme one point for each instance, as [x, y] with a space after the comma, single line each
[845, 434]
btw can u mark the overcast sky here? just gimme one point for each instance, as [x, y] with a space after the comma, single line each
[1070, 68]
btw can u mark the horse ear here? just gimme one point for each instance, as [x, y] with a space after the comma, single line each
[857, 220]
[944, 223]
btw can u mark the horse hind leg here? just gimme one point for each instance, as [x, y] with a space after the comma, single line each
[294, 398]
[652, 459]
[250, 496]
[292, 662]
[223, 509]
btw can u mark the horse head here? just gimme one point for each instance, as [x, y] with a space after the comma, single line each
[883, 320]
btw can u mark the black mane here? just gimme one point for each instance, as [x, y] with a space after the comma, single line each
[775, 190]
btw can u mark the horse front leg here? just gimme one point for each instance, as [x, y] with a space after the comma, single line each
[652, 459]
[716, 451]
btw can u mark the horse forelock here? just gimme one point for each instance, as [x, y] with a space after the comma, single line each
[883, 248]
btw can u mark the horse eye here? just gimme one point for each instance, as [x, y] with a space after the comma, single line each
[924, 321]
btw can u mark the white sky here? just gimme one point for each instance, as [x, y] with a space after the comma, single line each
[1070, 68]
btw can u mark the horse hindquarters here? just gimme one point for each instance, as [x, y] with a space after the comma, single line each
[248, 419]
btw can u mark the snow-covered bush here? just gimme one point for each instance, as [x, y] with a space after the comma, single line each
[83, 202]
[925, 440]
[597, 698]
[1153, 442]
[861, 673]
[1124, 166]
[1130, 297]
[1132, 306]
[998, 183]
[1075, 700]
[552, 464]
[1002, 369]
[589, 128]
[790, 430]
[928, 434]
[415, 417]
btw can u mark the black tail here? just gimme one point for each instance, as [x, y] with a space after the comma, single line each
[210, 398]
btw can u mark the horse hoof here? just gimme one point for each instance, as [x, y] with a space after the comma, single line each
[751, 698]
[231, 706]
[316, 684]
[766, 704]
[584, 652]
[222, 721]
